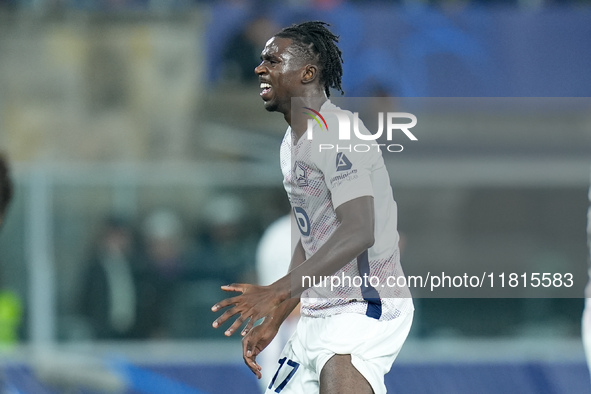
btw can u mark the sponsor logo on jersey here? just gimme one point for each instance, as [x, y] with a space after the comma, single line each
[343, 163]
[302, 220]
[337, 180]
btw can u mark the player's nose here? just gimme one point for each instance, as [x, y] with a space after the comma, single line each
[260, 69]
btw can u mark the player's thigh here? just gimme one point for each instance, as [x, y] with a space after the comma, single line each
[339, 376]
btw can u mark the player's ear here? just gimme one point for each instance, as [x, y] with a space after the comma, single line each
[310, 73]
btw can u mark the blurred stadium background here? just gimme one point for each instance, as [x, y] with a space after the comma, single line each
[138, 142]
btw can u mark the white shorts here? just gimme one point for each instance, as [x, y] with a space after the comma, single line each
[372, 344]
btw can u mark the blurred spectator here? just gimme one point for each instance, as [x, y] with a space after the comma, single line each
[243, 52]
[165, 266]
[10, 304]
[227, 243]
[224, 254]
[11, 316]
[109, 291]
[164, 244]
[5, 187]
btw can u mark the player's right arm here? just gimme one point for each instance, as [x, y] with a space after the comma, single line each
[259, 337]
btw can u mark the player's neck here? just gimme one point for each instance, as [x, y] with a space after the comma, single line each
[298, 121]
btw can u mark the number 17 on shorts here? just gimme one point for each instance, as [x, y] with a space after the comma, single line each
[287, 369]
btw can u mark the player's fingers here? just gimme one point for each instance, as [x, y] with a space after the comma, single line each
[257, 371]
[225, 316]
[224, 303]
[248, 327]
[249, 356]
[235, 287]
[236, 325]
[253, 366]
[249, 344]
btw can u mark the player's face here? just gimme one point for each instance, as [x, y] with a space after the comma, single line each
[280, 74]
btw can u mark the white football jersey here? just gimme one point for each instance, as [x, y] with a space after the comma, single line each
[319, 179]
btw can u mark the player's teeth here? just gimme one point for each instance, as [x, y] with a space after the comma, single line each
[265, 86]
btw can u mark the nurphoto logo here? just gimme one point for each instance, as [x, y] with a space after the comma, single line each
[345, 130]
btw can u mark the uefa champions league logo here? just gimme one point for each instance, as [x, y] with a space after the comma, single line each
[345, 130]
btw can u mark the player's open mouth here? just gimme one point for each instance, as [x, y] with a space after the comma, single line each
[266, 89]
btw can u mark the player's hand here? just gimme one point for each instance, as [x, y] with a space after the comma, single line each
[255, 303]
[254, 342]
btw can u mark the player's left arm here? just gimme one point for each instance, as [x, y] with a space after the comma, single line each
[353, 236]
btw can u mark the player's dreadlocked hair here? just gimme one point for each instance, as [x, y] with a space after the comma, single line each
[316, 41]
[5, 186]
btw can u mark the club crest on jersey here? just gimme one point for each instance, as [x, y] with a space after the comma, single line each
[300, 173]
[343, 163]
